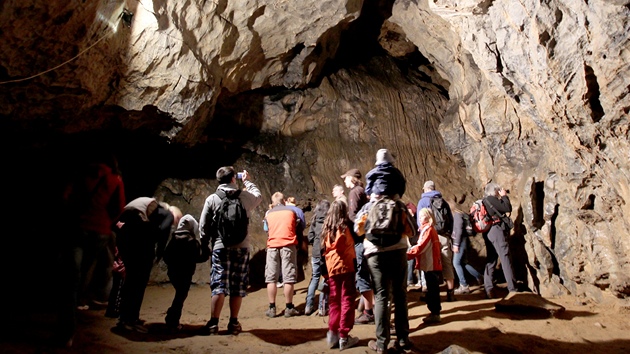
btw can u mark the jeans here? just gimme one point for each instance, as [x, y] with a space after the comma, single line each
[459, 262]
[389, 271]
[312, 286]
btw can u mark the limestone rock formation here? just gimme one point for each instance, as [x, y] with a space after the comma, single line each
[532, 95]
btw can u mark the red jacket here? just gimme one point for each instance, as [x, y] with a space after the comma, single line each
[427, 252]
[98, 199]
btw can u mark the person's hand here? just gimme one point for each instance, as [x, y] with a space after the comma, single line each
[120, 224]
[502, 192]
[245, 175]
[456, 249]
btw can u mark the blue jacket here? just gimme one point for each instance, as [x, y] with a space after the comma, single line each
[385, 179]
[425, 201]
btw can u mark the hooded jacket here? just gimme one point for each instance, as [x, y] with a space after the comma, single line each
[385, 179]
[427, 252]
[340, 255]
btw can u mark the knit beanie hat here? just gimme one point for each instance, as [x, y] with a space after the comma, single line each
[383, 156]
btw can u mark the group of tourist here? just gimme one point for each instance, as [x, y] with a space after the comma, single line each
[346, 261]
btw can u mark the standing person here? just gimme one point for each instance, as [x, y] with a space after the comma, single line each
[356, 200]
[92, 201]
[497, 247]
[338, 193]
[302, 246]
[281, 254]
[388, 265]
[181, 255]
[318, 264]
[429, 259]
[411, 264]
[432, 199]
[230, 242]
[338, 246]
[143, 224]
[460, 245]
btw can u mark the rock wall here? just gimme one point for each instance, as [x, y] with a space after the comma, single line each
[532, 95]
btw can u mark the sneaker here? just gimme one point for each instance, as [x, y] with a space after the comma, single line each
[271, 312]
[332, 339]
[308, 310]
[291, 312]
[235, 328]
[322, 312]
[208, 330]
[462, 290]
[364, 318]
[349, 342]
[490, 294]
[432, 319]
[374, 346]
[83, 307]
[279, 284]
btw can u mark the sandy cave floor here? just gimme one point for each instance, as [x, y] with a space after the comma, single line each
[470, 322]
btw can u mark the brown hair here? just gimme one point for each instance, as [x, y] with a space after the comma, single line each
[336, 220]
[277, 198]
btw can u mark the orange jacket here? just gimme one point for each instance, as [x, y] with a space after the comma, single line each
[340, 256]
[282, 223]
[427, 252]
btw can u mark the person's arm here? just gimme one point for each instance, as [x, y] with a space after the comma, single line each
[458, 230]
[205, 226]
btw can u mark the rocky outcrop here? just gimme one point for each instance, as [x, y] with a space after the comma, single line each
[531, 95]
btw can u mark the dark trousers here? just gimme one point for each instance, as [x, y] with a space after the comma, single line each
[389, 273]
[138, 256]
[497, 248]
[433, 291]
[181, 279]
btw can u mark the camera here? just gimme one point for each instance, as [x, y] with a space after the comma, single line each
[239, 175]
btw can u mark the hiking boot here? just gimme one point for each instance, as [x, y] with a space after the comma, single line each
[374, 346]
[234, 328]
[450, 296]
[349, 342]
[133, 327]
[271, 312]
[462, 290]
[432, 319]
[403, 344]
[364, 318]
[291, 312]
[332, 339]
[308, 310]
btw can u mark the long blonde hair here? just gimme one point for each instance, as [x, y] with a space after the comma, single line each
[426, 213]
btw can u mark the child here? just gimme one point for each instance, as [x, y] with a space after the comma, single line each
[338, 245]
[428, 256]
[385, 179]
[181, 256]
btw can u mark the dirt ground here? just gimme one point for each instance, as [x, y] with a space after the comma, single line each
[471, 322]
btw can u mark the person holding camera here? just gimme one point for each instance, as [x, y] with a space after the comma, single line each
[229, 273]
[496, 239]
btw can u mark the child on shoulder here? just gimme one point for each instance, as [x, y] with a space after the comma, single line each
[338, 245]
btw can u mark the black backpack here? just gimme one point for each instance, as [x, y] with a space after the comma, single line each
[442, 216]
[230, 219]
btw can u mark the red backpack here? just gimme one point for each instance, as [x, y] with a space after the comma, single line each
[479, 217]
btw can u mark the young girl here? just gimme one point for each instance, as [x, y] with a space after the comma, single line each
[338, 246]
[428, 256]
